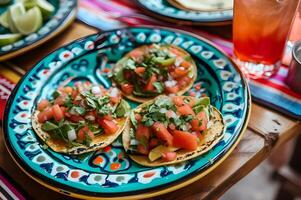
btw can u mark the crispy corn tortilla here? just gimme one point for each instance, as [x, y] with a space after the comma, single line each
[203, 5]
[211, 137]
[144, 48]
[99, 141]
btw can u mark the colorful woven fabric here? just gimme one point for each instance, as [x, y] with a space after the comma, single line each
[8, 79]
[8, 189]
[110, 14]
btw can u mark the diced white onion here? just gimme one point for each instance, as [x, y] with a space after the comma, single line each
[162, 110]
[188, 126]
[114, 92]
[71, 135]
[96, 90]
[178, 61]
[90, 117]
[170, 83]
[172, 114]
[181, 68]
[134, 142]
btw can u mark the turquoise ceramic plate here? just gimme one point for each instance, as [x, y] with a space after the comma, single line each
[164, 10]
[63, 15]
[109, 172]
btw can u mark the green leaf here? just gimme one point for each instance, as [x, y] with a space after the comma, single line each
[122, 109]
[87, 141]
[56, 94]
[130, 64]
[197, 109]
[119, 77]
[105, 110]
[77, 110]
[68, 102]
[91, 103]
[133, 119]
[159, 87]
[49, 126]
[103, 100]
[164, 62]
[205, 101]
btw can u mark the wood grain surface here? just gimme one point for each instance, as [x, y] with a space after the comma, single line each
[267, 130]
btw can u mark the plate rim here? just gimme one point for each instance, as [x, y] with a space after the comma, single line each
[63, 25]
[149, 192]
[158, 15]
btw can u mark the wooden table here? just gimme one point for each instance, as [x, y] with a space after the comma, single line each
[266, 131]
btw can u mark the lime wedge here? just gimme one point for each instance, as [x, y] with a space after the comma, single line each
[14, 11]
[46, 8]
[4, 19]
[30, 22]
[28, 3]
[6, 39]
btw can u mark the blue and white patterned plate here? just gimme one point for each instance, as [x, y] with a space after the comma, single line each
[65, 11]
[164, 10]
[109, 172]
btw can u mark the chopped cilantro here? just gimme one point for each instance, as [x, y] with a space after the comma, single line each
[159, 86]
[55, 94]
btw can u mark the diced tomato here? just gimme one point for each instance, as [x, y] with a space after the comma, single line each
[74, 93]
[184, 140]
[178, 101]
[185, 64]
[45, 115]
[185, 110]
[149, 86]
[114, 100]
[172, 90]
[60, 100]
[142, 149]
[61, 89]
[127, 74]
[143, 133]
[140, 70]
[162, 133]
[82, 134]
[109, 126]
[153, 143]
[179, 72]
[43, 104]
[68, 90]
[106, 70]
[57, 112]
[175, 51]
[172, 126]
[64, 109]
[184, 81]
[170, 114]
[195, 125]
[127, 88]
[108, 117]
[67, 114]
[136, 54]
[200, 123]
[138, 117]
[169, 156]
[76, 118]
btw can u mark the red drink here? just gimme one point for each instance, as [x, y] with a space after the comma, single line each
[260, 30]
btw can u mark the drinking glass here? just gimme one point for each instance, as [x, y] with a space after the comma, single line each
[260, 30]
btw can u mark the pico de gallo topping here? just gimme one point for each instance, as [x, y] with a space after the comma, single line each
[152, 70]
[169, 124]
[76, 114]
